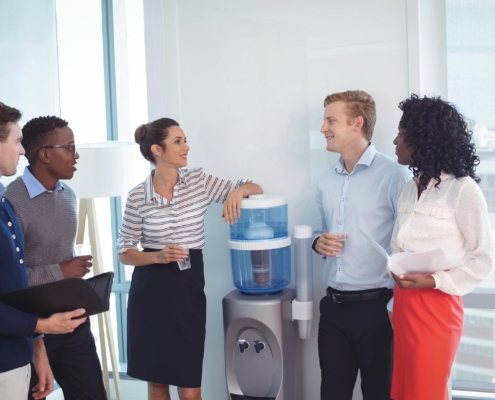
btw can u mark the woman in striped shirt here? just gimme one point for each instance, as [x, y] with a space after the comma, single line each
[166, 305]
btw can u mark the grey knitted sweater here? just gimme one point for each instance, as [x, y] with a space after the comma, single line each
[49, 224]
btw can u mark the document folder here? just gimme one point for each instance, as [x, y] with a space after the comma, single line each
[69, 294]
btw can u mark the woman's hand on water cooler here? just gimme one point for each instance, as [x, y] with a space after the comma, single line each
[232, 206]
[171, 253]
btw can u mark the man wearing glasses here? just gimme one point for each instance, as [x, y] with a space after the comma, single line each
[46, 209]
[17, 328]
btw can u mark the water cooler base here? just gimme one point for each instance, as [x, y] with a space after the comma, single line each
[262, 356]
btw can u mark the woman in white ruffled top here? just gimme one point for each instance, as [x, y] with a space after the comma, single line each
[442, 206]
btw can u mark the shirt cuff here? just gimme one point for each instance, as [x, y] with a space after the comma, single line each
[40, 336]
[124, 244]
[438, 282]
[313, 246]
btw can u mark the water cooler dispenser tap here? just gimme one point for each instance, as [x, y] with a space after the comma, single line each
[243, 345]
[258, 346]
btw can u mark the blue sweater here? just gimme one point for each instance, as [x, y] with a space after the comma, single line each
[16, 327]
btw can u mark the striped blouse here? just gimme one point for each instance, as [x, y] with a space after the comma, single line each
[155, 221]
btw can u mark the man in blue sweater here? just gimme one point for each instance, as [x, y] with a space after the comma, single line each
[17, 328]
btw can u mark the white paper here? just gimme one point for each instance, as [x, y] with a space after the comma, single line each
[425, 262]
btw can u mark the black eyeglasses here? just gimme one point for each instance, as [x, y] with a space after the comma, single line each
[70, 147]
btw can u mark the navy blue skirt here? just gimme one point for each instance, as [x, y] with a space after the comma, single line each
[166, 323]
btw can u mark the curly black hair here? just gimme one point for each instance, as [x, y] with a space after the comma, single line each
[440, 138]
[36, 134]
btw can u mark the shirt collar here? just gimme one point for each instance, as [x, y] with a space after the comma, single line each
[366, 159]
[149, 190]
[182, 177]
[444, 176]
[33, 185]
[2, 189]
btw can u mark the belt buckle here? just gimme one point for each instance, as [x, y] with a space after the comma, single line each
[337, 298]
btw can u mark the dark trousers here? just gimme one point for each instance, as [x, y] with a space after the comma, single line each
[75, 365]
[355, 336]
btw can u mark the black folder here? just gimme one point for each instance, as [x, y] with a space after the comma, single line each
[69, 294]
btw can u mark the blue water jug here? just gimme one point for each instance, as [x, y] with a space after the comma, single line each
[260, 246]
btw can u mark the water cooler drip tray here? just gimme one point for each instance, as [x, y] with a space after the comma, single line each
[242, 397]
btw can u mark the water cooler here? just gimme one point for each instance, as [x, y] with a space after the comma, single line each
[263, 320]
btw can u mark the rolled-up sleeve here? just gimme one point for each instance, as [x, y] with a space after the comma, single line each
[131, 230]
[218, 189]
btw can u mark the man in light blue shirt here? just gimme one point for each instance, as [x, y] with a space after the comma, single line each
[360, 191]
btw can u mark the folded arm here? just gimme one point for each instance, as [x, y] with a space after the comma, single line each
[232, 205]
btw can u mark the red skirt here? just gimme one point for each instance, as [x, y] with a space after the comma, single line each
[427, 331]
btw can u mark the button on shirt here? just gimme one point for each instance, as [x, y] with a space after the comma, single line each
[13, 230]
[453, 214]
[16, 327]
[155, 221]
[365, 198]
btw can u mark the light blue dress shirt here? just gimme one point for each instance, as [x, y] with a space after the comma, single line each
[33, 185]
[366, 198]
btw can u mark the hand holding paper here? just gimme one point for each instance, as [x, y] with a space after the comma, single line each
[425, 262]
[414, 281]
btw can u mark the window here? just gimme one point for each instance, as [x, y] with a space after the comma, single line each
[103, 97]
[479, 327]
[81, 69]
[471, 86]
[475, 355]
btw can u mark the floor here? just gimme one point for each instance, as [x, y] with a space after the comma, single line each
[130, 390]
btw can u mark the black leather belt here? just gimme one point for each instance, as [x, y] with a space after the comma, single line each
[339, 297]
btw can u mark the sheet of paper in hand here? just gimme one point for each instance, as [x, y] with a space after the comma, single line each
[425, 262]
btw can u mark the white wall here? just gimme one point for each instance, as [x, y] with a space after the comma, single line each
[246, 80]
[28, 63]
[427, 47]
